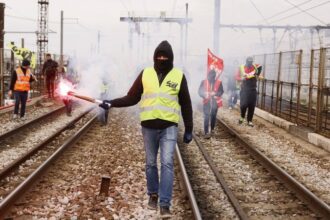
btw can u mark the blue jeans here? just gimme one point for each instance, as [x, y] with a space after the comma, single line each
[103, 116]
[233, 96]
[210, 114]
[165, 139]
[20, 98]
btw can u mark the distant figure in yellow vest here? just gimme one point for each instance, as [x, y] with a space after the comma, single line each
[247, 78]
[104, 113]
[163, 91]
[20, 85]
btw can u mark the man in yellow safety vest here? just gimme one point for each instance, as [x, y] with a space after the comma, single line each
[247, 78]
[163, 91]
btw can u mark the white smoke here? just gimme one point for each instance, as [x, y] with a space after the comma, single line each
[98, 70]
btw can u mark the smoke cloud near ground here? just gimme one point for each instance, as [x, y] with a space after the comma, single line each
[92, 73]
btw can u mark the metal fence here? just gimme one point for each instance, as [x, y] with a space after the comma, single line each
[296, 87]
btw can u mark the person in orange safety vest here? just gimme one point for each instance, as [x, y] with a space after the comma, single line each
[210, 90]
[20, 86]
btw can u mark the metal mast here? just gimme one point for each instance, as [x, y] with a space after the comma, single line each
[216, 27]
[136, 20]
[42, 34]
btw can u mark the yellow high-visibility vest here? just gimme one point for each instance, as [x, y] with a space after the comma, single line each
[250, 74]
[23, 81]
[104, 88]
[160, 101]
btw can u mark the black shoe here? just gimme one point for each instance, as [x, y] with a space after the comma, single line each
[250, 124]
[153, 201]
[240, 121]
[165, 212]
[207, 136]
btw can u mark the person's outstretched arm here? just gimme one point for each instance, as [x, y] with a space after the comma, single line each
[133, 96]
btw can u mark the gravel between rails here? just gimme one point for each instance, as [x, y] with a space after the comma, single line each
[308, 164]
[260, 195]
[32, 112]
[70, 190]
[211, 199]
[25, 169]
[13, 147]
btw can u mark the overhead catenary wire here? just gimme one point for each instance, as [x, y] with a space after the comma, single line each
[172, 14]
[254, 5]
[125, 6]
[287, 10]
[304, 11]
[280, 41]
[300, 12]
[297, 13]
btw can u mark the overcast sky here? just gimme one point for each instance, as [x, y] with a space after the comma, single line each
[103, 16]
[84, 18]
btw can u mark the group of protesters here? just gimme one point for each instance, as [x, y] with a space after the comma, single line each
[241, 84]
[162, 91]
[22, 77]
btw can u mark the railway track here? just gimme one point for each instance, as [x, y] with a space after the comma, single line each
[252, 190]
[19, 172]
[257, 193]
[70, 187]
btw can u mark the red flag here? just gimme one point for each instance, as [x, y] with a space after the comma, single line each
[214, 62]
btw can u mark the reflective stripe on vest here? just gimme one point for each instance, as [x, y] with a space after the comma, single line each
[248, 75]
[23, 81]
[160, 101]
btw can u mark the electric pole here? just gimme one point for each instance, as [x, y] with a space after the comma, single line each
[163, 19]
[98, 42]
[2, 25]
[186, 35]
[61, 52]
[216, 27]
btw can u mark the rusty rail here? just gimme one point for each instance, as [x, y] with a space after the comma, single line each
[315, 203]
[29, 181]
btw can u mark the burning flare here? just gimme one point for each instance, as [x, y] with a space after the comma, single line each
[64, 87]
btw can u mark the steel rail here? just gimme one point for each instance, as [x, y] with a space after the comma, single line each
[10, 200]
[232, 198]
[13, 165]
[313, 202]
[29, 123]
[189, 190]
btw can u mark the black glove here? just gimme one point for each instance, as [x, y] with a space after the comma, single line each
[259, 70]
[187, 137]
[105, 104]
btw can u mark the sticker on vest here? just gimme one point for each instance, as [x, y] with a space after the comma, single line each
[172, 85]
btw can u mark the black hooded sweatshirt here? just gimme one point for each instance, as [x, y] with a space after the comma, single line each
[162, 68]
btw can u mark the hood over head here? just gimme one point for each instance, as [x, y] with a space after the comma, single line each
[211, 76]
[163, 49]
[249, 61]
[25, 63]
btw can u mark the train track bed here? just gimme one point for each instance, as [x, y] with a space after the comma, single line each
[260, 195]
[70, 190]
[211, 199]
[18, 169]
[308, 164]
[22, 141]
[32, 112]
